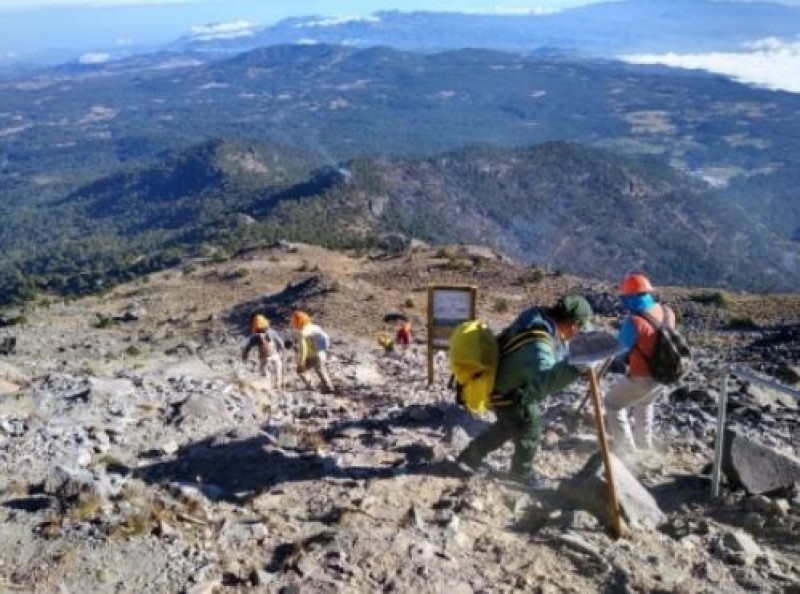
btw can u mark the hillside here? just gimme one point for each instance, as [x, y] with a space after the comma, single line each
[63, 129]
[557, 206]
[138, 455]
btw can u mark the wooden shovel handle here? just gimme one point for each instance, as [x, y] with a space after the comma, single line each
[613, 502]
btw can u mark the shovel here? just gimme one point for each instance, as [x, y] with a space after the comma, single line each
[585, 349]
[603, 369]
[611, 487]
[592, 347]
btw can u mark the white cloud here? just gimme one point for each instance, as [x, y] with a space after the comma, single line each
[516, 10]
[341, 20]
[222, 30]
[123, 41]
[770, 63]
[94, 58]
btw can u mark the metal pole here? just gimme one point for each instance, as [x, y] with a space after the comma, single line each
[611, 487]
[751, 376]
[722, 407]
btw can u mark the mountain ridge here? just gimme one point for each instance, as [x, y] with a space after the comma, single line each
[555, 205]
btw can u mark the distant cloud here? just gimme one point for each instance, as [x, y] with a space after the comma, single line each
[123, 41]
[223, 30]
[341, 20]
[771, 63]
[516, 10]
[94, 58]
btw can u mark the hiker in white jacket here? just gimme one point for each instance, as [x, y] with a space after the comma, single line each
[312, 350]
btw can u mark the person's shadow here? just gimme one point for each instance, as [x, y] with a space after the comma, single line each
[237, 469]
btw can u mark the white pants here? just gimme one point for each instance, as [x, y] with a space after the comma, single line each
[639, 394]
[272, 369]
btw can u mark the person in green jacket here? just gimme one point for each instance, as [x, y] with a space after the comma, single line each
[530, 364]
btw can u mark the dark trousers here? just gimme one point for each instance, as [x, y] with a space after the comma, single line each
[519, 422]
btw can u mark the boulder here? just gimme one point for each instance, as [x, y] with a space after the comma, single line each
[755, 467]
[587, 490]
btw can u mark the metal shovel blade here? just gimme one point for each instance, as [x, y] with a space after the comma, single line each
[591, 347]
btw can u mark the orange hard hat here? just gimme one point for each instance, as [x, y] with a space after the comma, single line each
[635, 284]
[300, 320]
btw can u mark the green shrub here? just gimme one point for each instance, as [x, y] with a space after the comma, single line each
[409, 302]
[104, 322]
[743, 323]
[500, 306]
[20, 320]
[717, 299]
[133, 351]
[530, 277]
[443, 252]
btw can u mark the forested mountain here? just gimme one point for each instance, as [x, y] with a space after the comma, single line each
[113, 170]
[557, 205]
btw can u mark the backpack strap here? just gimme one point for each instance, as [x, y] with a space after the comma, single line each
[513, 344]
[650, 319]
[655, 324]
[525, 337]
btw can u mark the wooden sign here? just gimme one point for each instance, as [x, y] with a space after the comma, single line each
[448, 306]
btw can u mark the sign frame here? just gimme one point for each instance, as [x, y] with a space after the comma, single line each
[448, 306]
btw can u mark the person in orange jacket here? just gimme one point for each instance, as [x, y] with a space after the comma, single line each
[638, 390]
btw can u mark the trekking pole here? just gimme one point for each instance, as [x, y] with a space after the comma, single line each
[594, 392]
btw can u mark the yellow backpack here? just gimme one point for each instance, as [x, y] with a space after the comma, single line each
[474, 353]
[473, 356]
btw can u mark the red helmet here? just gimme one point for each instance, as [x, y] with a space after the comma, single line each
[635, 284]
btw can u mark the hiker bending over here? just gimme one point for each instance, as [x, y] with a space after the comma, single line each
[270, 350]
[312, 350]
[637, 390]
[511, 374]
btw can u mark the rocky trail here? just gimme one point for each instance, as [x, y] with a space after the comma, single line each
[138, 454]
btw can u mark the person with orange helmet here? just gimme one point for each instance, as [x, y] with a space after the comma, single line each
[638, 390]
[312, 350]
[270, 349]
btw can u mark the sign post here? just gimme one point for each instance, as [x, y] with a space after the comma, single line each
[448, 306]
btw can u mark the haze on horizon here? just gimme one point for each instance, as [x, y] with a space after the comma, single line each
[52, 31]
